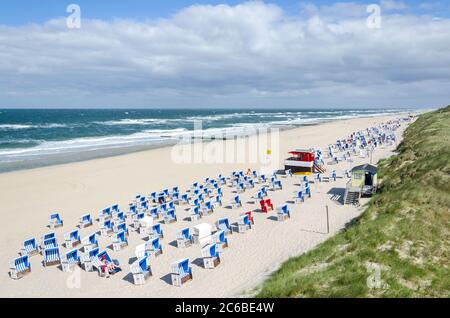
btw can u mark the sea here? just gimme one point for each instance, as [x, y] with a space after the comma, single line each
[32, 138]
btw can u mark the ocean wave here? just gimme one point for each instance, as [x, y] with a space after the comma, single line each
[25, 126]
[123, 122]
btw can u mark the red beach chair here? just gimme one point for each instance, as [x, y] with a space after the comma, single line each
[269, 204]
[263, 206]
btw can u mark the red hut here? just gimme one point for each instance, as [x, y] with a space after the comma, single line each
[301, 161]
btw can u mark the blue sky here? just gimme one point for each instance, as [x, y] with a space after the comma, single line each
[19, 12]
[173, 53]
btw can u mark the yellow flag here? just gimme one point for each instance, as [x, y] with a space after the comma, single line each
[269, 152]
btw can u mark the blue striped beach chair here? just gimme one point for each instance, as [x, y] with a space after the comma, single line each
[106, 228]
[195, 213]
[224, 225]
[207, 208]
[244, 223]
[115, 208]
[156, 231]
[85, 221]
[308, 191]
[153, 197]
[176, 197]
[30, 247]
[155, 247]
[262, 178]
[220, 239]
[299, 197]
[55, 221]
[289, 173]
[119, 227]
[181, 273]
[184, 238]
[236, 203]
[170, 217]
[184, 199]
[211, 256]
[88, 259]
[120, 241]
[217, 201]
[89, 242]
[264, 191]
[154, 213]
[137, 220]
[104, 215]
[132, 210]
[118, 217]
[283, 213]
[141, 271]
[72, 239]
[240, 187]
[98, 265]
[20, 267]
[258, 196]
[51, 256]
[69, 260]
[276, 185]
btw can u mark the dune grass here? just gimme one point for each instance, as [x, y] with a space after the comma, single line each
[403, 235]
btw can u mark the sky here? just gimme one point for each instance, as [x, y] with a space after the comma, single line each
[216, 54]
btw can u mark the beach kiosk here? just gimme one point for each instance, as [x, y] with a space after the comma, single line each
[302, 161]
[363, 182]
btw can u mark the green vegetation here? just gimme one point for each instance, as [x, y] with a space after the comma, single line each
[404, 231]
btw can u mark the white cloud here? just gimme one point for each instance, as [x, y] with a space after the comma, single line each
[252, 54]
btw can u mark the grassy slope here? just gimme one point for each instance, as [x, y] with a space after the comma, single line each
[405, 229]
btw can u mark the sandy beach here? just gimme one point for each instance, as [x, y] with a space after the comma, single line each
[29, 196]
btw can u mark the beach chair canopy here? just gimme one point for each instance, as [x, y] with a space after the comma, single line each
[74, 235]
[48, 236]
[107, 224]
